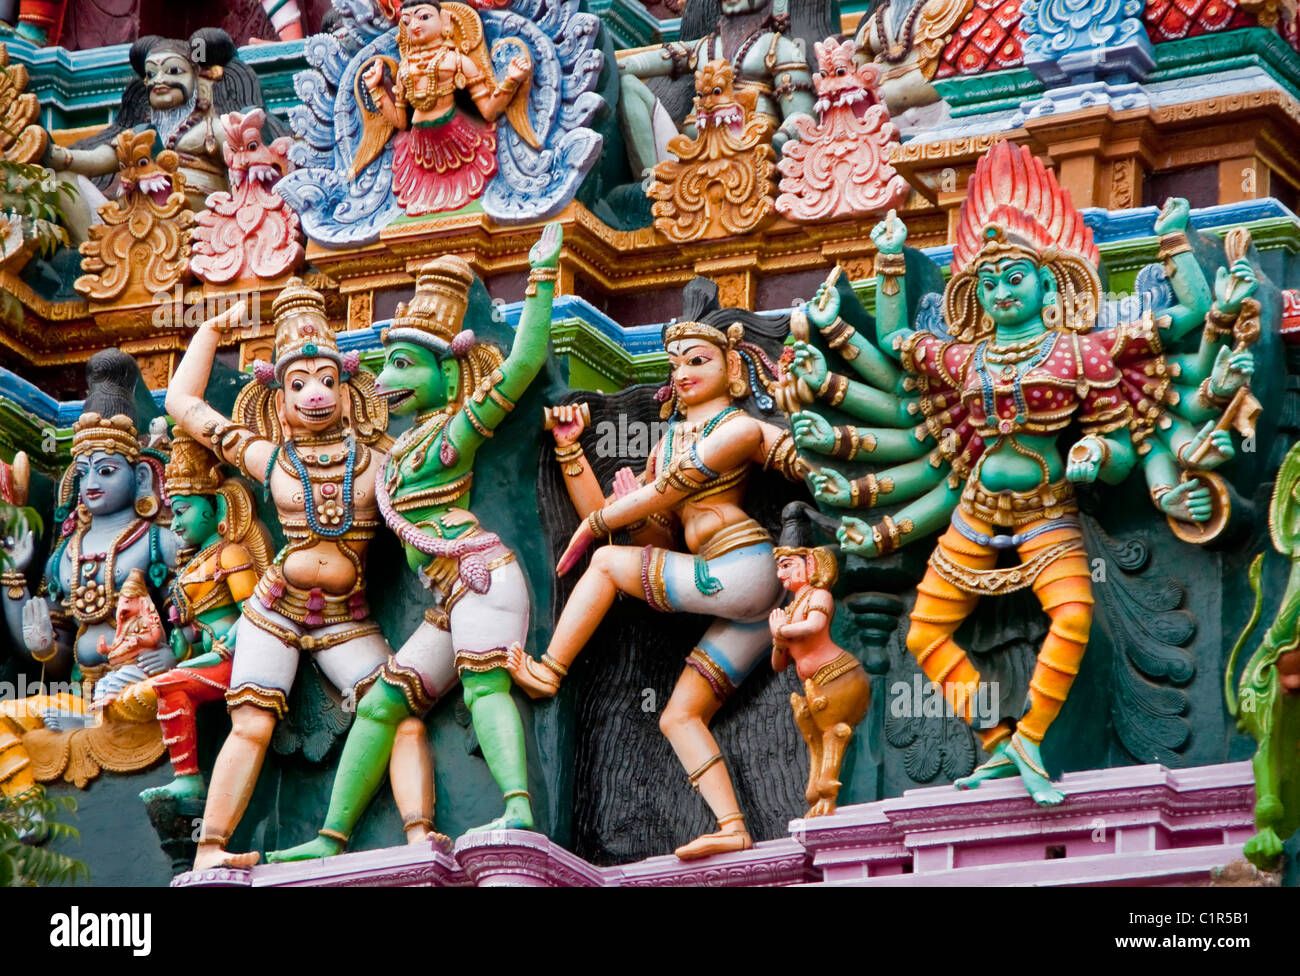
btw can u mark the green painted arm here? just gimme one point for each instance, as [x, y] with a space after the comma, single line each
[527, 354]
[1192, 289]
[873, 365]
[889, 486]
[813, 432]
[927, 514]
[1123, 457]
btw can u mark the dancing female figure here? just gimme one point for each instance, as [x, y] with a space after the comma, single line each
[694, 480]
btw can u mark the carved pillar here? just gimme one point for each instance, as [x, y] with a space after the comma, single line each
[736, 277]
[360, 310]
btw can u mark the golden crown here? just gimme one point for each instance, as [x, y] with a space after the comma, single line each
[436, 313]
[301, 329]
[192, 468]
[113, 435]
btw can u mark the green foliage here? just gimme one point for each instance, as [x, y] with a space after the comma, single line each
[31, 195]
[24, 865]
[13, 522]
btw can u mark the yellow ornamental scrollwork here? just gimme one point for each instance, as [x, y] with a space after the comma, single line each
[722, 182]
[143, 247]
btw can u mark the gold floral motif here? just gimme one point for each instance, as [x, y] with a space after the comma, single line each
[22, 140]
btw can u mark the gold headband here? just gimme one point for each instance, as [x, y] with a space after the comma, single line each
[112, 435]
[824, 571]
[710, 334]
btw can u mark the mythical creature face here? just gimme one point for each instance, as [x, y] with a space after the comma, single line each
[792, 571]
[700, 371]
[311, 394]
[110, 483]
[247, 156]
[169, 78]
[194, 518]
[715, 99]
[425, 23]
[1010, 290]
[412, 379]
[137, 167]
[840, 82]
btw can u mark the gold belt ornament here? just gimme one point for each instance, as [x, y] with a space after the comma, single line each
[1017, 508]
[733, 537]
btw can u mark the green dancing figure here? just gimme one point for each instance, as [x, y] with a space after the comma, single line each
[480, 608]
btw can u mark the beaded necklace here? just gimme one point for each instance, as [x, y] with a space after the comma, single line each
[309, 499]
[1015, 372]
[708, 428]
[92, 601]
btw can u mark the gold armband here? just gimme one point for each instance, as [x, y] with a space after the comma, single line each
[230, 442]
[1218, 323]
[1171, 244]
[570, 457]
[538, 275]
[784, 457]
[869, 487]
[888, 535]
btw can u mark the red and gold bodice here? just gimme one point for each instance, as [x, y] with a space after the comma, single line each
[980, 391]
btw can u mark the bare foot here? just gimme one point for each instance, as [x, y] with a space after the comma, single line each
[722, 842]
[535, 678]
[212, 856]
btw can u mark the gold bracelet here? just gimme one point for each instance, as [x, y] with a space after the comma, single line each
[834, 389]
[16, 581]
[537, 276]
[570, 457]
[1159, 492]
[596, 523]
[889, 268]
[1209, 399]
[1218, 322]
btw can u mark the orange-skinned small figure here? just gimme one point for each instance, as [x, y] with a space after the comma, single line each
[837, 691]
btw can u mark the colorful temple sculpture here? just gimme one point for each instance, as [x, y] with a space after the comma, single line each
[646, 443]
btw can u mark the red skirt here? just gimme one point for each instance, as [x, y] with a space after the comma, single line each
[444, 165]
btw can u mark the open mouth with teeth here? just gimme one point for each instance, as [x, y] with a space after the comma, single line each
[729, 116]
[156, 186]
[856, 100]
[396, 397]
[316, 414]
[264, 173]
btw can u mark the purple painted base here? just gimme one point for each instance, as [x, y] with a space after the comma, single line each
[1137, 825]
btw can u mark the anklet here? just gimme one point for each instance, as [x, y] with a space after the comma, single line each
[333, 835]
[694, 778]
[511, 794]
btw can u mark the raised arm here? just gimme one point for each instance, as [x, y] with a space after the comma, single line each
[1188, 281]
[193, 415]
[891, 285]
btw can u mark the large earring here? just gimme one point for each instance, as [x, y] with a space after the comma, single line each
[1051, 311]
[146, 506]
[986, 324]
[738, 388]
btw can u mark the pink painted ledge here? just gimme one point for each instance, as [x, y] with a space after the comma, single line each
[1136, 825]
